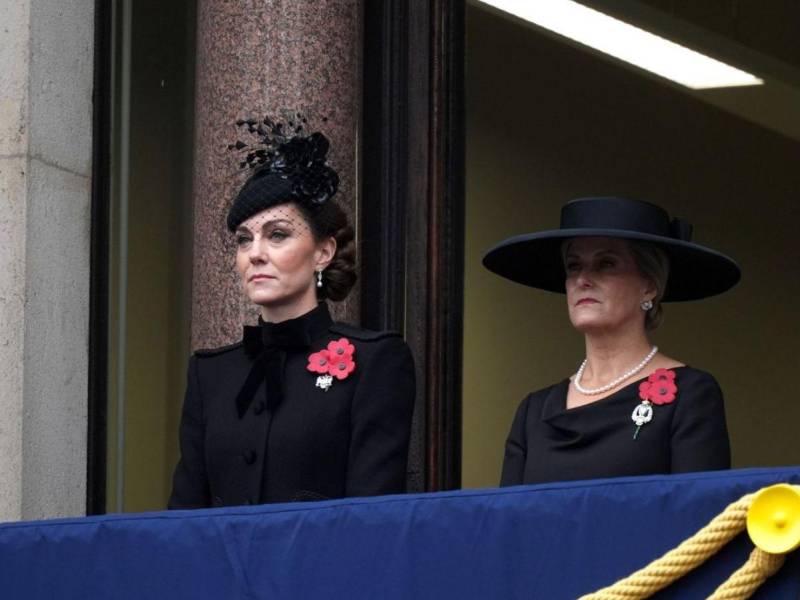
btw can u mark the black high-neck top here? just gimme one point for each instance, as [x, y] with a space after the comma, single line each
[297, 333]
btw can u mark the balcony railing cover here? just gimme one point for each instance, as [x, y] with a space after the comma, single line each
[548, 541]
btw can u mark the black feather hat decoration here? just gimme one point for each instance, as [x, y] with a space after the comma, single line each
[287, 165]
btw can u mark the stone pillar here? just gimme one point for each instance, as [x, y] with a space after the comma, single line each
[261, 57]
[46, 57]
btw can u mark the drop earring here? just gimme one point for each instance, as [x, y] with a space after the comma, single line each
[646, 305]
[319, 278]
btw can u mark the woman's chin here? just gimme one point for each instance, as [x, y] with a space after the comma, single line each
[271, 300]
[589, 325]
[265, 300]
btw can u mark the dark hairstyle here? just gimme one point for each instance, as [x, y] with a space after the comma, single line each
[339, 276]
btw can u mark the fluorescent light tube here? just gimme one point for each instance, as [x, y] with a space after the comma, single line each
[628, 43]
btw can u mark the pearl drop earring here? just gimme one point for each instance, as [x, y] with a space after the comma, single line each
[319, 278]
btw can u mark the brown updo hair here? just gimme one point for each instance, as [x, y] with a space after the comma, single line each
[653, 265]
[339, 276]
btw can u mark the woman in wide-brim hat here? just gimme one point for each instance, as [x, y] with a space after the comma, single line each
[303, 408]
[629, 409]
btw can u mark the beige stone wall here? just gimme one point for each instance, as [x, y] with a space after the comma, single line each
[46, 54]
[13, 164]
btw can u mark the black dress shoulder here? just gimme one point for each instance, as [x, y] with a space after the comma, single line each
[549, 442]
[258, 426]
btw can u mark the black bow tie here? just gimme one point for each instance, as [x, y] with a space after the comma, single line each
[291, 335]
[269, 343]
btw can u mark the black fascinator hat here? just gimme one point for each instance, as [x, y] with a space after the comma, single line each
[287, 165]
[535, 260]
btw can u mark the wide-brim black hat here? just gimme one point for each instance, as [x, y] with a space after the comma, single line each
[535, 259]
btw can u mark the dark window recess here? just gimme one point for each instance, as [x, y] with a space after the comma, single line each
[413, 223]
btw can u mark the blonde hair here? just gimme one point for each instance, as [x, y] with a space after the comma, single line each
[653, 264]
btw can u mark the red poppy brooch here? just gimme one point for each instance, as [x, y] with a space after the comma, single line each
[659, 388]
[334, 361]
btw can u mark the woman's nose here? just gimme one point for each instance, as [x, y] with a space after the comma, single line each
[584, 278]
[257, 253]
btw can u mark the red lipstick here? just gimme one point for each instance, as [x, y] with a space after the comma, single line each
[586, 301]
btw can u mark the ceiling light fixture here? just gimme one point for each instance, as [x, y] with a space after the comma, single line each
[627, 42]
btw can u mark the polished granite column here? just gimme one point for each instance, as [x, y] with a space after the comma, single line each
[260, 57]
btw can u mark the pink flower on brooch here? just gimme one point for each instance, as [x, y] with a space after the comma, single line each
[342, 366]
[336, 360]
[341, 347]
[319, 362]
[659, 388]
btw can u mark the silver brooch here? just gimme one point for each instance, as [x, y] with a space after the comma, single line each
[324, 382]
[643, 413]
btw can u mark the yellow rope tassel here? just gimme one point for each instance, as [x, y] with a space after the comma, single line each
[676, 563]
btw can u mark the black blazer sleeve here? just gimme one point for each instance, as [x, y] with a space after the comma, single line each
[190, 483]
[381, 422]
[516, 448]
[699, 439]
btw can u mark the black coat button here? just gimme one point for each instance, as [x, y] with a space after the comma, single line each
[259, 407]
[249, 456]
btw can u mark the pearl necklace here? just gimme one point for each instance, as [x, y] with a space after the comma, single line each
[576, 381]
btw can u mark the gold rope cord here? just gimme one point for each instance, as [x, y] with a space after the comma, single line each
[752, 574]
[692, 553]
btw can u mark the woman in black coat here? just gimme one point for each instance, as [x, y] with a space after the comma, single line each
[302, 408]
[629, 409]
